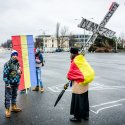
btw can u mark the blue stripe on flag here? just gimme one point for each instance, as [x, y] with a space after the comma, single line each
[31, 57]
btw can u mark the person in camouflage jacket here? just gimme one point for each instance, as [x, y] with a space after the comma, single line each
[11, 76]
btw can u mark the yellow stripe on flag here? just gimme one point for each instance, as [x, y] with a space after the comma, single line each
[86, 70]
[25, 61]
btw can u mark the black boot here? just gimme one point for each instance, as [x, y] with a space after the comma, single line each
[74, 119]
[86, 116]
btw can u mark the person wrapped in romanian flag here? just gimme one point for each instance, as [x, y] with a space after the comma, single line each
[81, 74]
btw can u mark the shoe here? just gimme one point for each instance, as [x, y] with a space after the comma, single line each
[42, 90]
[8, 112]
[86, 116]
[74, 119]
[36, 88]
[15, 108]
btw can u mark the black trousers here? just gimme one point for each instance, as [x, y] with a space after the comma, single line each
[80, 105]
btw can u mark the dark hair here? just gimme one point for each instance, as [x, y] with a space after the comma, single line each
[74, 50]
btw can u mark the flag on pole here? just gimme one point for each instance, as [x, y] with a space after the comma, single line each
[25, 46]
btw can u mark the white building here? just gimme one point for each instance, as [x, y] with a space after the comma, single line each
[50, 43]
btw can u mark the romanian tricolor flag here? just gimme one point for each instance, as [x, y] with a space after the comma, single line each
[25, 46]
[80, 71]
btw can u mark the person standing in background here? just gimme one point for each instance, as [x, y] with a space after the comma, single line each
[39, 64]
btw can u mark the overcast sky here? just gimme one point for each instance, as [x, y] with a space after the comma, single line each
[33, 17]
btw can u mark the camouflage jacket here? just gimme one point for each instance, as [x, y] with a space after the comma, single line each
[10, 73]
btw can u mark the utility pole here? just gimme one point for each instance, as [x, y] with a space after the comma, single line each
[57, 35]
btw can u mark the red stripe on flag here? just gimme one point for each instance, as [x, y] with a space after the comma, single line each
[16, 41]
[75, 74]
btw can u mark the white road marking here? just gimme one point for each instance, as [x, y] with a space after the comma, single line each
[108, 103]
[97, 108]
[57, 89]
[52, 89]
[93, 86]
[96, 112]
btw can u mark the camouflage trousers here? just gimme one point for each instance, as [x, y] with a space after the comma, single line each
[10, 95]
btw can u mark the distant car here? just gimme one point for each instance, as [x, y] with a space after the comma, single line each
[50, 50]
[66, 49]
[59, 50]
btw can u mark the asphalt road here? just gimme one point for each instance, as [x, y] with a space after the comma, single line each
[106, 92]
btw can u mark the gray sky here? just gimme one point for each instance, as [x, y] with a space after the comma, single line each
[33, 17]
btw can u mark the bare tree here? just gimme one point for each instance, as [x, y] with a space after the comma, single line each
[7, 44]
[63, 36]
[57, 34]
[122, 38]
[38, 43]
[71, 40]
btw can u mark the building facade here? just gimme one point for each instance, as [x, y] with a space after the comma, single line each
[80, 39]
[50, 43]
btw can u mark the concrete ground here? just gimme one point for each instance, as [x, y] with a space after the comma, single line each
[106, 92]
